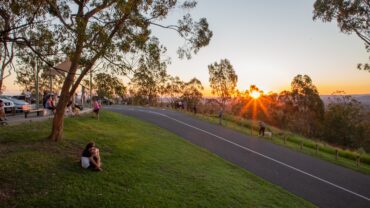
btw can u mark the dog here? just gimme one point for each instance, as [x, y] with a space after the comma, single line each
[268, 133]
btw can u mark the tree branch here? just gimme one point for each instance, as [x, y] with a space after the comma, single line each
[97, 9]
[364, 38]
[56, 10]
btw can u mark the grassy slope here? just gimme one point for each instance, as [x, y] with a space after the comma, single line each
[144, 166]
[326, 152]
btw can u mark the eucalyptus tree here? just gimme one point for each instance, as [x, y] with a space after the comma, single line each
[346, 122]
[223, 79]
[109, 86]
[192, 92]
[90, 31]
[352, 16]
[173, 89]
[16, 16]
[150, 74]
[308, 106]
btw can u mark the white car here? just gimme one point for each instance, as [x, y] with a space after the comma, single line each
[20, 105]
[8, 105]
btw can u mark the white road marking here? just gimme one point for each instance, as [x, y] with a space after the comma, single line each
[260, 154]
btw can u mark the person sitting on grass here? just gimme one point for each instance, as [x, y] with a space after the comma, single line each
[90, 157]
[96, 107]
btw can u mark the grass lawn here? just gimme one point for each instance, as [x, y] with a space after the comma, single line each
[144, 166]
[346, 158]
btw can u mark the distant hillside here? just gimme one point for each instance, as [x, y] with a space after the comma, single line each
[364, 99]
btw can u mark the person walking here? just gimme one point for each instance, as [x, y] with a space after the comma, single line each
[262, 128]
[220, 115]
[96, 107]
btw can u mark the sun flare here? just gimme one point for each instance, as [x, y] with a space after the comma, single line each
[255, 94]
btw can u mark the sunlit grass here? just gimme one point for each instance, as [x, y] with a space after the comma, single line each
[346, 158]
[144, 166]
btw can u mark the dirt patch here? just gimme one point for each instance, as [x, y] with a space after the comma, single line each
[6, 192]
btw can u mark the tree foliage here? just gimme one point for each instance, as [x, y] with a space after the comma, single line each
[149, 78]
[346, 122]
[192, 93]
[301, 109]
[109, 86]
[352, 16]
[97, 30]
[173, 89]
[222, 79]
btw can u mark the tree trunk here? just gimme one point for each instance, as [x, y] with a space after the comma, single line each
[58, 125]
[1, 85]
[58, 120]
[65, 95]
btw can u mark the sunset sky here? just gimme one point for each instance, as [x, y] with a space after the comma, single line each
[269, 42]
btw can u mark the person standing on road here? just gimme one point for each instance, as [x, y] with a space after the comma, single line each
[262, 129]
[220, 115]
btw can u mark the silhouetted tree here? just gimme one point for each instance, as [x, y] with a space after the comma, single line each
[149, 79]
[222, 79]
[352, 16]
[173, 89]
[301, 109]
[346, 122]
[109, 86]
[192, 93]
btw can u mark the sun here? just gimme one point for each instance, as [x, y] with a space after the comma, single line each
[255, 94]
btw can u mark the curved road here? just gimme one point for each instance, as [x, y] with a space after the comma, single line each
[322, 183]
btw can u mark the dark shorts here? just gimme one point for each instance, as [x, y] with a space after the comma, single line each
[96, 111]
[92, 166]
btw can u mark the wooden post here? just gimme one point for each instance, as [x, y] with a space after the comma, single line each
[358, 161]
[336, 154]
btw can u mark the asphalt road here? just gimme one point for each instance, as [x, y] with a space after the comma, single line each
[322, 183]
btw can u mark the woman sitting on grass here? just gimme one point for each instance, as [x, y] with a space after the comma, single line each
[91, 157]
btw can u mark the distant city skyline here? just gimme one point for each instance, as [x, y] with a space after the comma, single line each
[268, 43]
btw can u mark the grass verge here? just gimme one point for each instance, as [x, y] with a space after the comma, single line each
[319, 149]
[144, 166]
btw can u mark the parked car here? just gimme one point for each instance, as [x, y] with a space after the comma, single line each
[30, 100]
[8, 105]
[104, 100]
[19, 105]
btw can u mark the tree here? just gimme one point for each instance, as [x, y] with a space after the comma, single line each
[192, 93]
[150, 77]
[173, 89]
[346, 122]
[352, 17]
[222, 79]
[15, 17]
[109, 86]
[89, 31]
[307, 106]
[26, 73]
